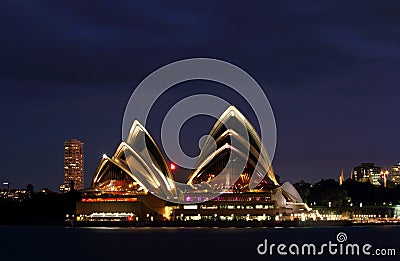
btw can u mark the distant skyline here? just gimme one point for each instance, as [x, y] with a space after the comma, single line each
[330, 71]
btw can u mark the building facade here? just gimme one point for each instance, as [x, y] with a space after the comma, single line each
[395, 174]
[73, 166]
[367, 172]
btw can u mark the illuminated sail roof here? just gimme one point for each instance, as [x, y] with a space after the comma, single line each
[228, 141]
[151, 171]
[233, 154]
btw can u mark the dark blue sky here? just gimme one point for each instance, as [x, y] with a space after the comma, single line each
[330, 70]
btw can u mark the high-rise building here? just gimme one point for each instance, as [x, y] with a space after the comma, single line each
[73, 165]
[395, 173]
[367, 172]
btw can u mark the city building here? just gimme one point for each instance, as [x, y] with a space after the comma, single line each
[119, 192]
[15, 195]
[395, 173]
[367, 172]
[6, 186]
[73, 166]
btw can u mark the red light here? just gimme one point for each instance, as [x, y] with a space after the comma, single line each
[172, 166]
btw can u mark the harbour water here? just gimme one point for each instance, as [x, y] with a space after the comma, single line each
[174, 243]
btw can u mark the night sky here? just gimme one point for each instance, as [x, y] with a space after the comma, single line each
[331, 71]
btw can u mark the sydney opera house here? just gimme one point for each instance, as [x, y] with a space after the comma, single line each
[232, 180]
